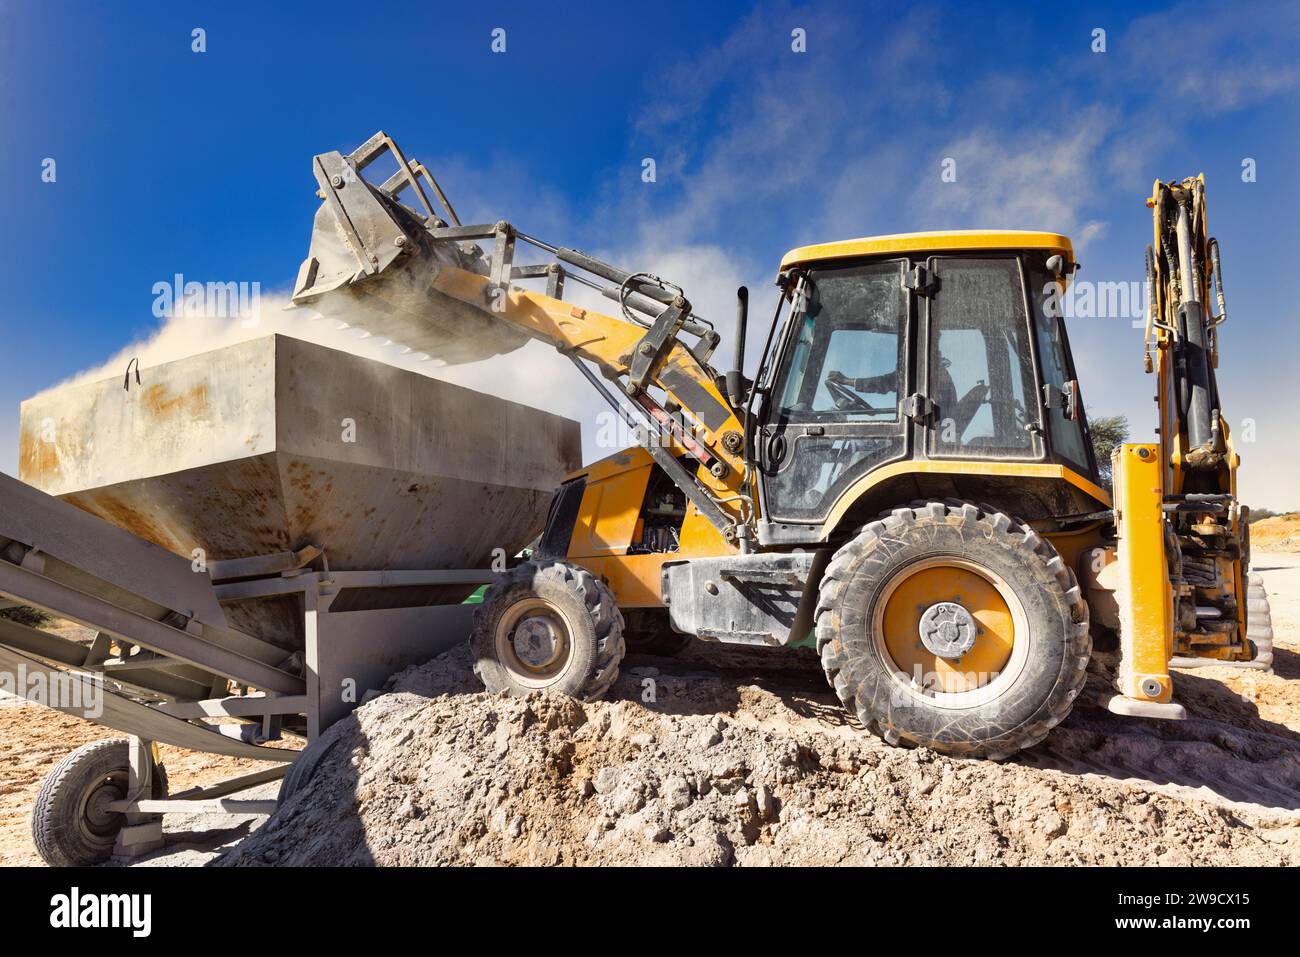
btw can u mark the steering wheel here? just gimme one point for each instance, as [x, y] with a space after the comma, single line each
[846, 400]
[1014, 404]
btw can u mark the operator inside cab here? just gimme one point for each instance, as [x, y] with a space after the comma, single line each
[945, 390]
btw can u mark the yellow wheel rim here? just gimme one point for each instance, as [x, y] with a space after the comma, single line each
[988, 604]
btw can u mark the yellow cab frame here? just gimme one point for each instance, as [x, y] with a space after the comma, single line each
[600, 515]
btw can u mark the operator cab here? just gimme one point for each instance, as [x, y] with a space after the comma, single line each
[942, 356]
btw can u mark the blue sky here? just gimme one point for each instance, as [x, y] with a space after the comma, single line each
[199, 163]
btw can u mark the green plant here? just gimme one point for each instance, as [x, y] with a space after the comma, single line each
[26, 615]
[1107, 433]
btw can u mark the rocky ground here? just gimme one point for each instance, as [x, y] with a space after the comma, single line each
[728, 757]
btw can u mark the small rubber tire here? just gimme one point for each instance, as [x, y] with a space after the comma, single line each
[66, 831]
[1040, 692]
[591, 631]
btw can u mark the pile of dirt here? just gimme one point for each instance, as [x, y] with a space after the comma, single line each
[725, 757]
[1279, 533]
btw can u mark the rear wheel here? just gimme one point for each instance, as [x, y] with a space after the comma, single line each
[1259, 623]
[71, 823]
[1259, 633]
[951, 626]
[548, 627]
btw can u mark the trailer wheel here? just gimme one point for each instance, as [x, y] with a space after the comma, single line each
[953, 627]
[551, 626]
[71, 825]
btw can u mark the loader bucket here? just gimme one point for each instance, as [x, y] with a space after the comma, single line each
[372, 264]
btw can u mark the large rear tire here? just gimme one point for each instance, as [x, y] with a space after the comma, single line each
[548, 627]
[71, 823]
[952, 626]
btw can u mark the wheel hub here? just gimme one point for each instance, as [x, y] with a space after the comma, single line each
[948, 630]
[536, 642]
[96, 819]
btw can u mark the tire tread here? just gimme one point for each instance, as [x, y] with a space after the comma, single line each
[992, 524]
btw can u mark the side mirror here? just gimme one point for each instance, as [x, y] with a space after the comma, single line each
[1060, 267]
[737, 388]
[1066, 399]
[1071, 409]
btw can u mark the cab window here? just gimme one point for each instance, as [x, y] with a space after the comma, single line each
[1068, 439]
[980, 364]
[847, 359]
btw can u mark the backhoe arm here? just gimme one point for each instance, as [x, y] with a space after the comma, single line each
[1183, 540]
[415, 278]
[1182, 268]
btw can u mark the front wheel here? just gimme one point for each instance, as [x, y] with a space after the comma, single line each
[72, 825]
[953, 627]
[548, 627]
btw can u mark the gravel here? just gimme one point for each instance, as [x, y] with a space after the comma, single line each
[743, 758]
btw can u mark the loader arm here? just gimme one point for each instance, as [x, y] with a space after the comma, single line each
[409, 275]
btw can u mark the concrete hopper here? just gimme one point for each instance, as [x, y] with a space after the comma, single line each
[275, 444]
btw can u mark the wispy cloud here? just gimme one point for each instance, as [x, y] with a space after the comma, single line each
[1204, 59]
[1037, 178]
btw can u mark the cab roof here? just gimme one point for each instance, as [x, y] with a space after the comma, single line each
[960, 240]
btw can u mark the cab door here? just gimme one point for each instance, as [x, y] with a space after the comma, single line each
[834, 410]
[978, 364]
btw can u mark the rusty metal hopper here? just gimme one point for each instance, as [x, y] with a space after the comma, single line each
[275, 444]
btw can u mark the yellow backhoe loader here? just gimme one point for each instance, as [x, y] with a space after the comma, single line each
[906, 481]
